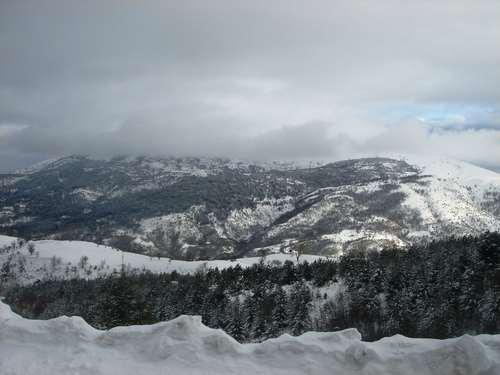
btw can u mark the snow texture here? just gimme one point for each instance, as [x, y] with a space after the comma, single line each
[101, 260]
[68, 345]
[454, 194]
[242, 223]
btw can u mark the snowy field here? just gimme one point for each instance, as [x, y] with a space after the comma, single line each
[101, 260]
[185, 346]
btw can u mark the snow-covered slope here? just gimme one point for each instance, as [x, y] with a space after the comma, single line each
[68, 345]
[456, 196]
[461, 171]
[63, 259]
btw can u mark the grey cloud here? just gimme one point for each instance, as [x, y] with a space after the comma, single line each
[241, 78]
[290, 142]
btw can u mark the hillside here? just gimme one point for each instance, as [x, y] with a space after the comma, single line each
[56, 259]
[214, 208]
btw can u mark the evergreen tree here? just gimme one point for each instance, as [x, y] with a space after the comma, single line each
[300, 298]
[234, 321]
[248, 316]
[279, 316]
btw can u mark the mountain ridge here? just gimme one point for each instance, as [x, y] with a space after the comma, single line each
[203, 208]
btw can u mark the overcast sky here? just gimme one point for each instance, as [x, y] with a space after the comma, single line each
[249, 79]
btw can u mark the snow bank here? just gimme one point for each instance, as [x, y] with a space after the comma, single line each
[68, 345]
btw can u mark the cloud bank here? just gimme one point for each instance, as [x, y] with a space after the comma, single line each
[258, 80]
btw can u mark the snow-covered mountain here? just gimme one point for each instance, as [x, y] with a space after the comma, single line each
[68, 345]
[194, 208]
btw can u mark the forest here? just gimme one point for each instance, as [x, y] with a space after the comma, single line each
[439, 289]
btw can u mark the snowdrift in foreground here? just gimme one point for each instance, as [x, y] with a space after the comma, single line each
[185, 346]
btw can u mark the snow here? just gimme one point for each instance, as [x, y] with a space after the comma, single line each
[87, 194]
[455, 198]
[182, 226]
[328, 206]
[457, 171]
[350, 235]
[461, 171]
[416, 200]
[6, 240]
[445, 197]
[242, 223]
[68, 345]
[454, 193]
[37, 167]
[107, 259]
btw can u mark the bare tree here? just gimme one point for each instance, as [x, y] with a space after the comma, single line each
[299, 248]
[31, 248]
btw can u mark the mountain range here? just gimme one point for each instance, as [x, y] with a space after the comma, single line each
[206, 208]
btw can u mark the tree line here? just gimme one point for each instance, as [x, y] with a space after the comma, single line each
[440, 289]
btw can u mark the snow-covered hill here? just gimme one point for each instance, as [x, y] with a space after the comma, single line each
[457, 196]
[213, 208]
[68, 345]
[66, 259]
